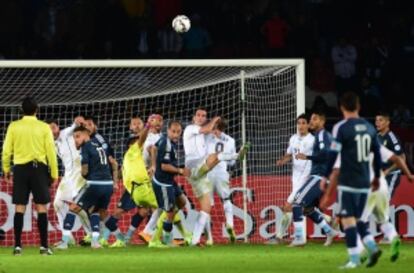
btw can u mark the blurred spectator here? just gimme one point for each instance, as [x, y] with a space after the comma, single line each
[197, 39]
[344, 57]
[275, 31]
[146, 40]
[170, 43]
[371, 99]
[321, 76]
[401, 115]
[376, 59]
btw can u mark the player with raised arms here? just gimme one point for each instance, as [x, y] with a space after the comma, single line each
[96, 194]
[72, 180]
[125, 204]
[200, 163]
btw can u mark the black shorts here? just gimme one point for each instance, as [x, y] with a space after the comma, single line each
[393, 181]
[31, 178]
[351, 204]
[126, 203]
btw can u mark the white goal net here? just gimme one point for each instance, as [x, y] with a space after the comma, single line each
[260, 99]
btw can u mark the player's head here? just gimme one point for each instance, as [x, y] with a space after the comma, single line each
[157, 128]
[302, 124]
[136, 125]
[174, 131]
[81, 135]
[29, 106]
[54, 126]
[349, 103]
[220, 127]
[200, 116]
[382, 122]
[90, 124]
[317, 121]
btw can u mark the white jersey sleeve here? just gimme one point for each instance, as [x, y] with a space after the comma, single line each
[194, 143]
[70, 156]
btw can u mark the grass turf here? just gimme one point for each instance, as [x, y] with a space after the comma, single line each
[224, 258]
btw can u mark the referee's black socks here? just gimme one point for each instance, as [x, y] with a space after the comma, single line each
[18, 227]
[42, 226]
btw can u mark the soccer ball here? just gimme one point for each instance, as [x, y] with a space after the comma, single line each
[181, 23]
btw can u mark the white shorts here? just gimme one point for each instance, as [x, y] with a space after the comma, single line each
[296, 185]
[220, 183]
[66, 191]
[378, 204]
[200, 183]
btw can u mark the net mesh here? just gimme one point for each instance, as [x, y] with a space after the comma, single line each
[114, 95]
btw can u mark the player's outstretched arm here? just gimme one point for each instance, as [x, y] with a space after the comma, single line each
[153, 156]
[284, 160]
[400, 163]
[84, 170]
[209, 127]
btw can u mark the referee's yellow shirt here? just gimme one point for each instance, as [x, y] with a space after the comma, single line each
[29, 139]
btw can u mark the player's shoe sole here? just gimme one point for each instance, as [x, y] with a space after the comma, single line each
[373, 258]
[146, 238]
[395, 249]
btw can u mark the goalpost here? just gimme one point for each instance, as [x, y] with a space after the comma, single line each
[260, 99]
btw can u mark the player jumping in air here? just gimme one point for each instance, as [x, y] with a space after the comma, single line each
[200, 163]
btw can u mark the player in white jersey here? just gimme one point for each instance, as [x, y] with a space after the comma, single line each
[153, 136]
[378, 201]
[72, 180]
[200, 163]
[218, 142]
[301, 142]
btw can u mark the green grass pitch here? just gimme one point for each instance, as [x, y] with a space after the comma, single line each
[222, 258]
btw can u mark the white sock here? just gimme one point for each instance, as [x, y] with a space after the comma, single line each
[389, 230]
[84, 219]
[199, 227]
[208, 229]
[228, 212]
[227, 156]
[152, 223]
[61, 209]
[284, 224]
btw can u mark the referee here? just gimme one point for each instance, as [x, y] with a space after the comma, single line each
[29, 142]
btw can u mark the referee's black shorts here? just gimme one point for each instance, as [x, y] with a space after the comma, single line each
[32, 177]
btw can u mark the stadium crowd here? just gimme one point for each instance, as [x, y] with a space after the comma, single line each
[369, 53]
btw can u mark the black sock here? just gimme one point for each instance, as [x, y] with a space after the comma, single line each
[42, 226]
[18, 227]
